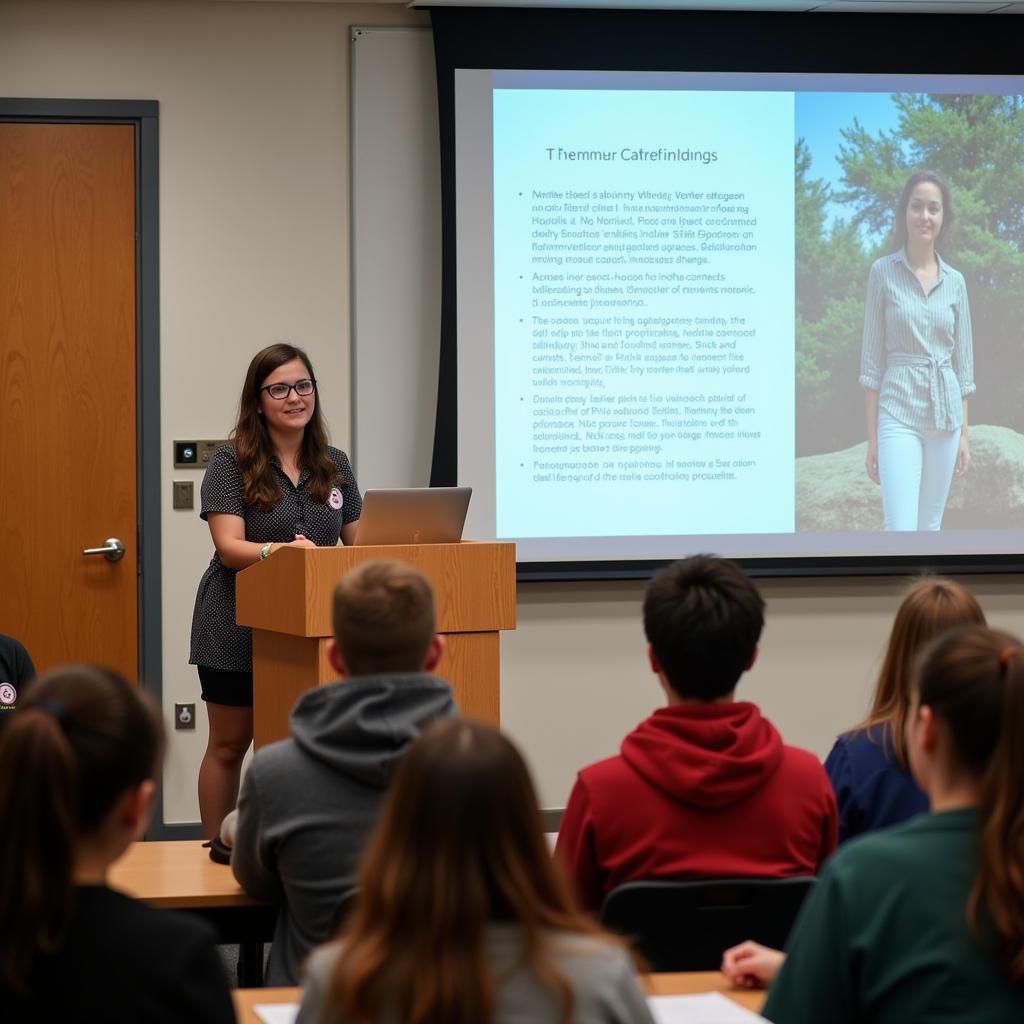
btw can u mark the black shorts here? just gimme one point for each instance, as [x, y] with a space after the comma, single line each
[221, 686]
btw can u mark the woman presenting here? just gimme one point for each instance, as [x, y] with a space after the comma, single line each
[917, 363]
[277, 484]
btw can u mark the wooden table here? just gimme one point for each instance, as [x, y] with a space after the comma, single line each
[656, 985]
[246, 998]
[692, 982]
[179, 875]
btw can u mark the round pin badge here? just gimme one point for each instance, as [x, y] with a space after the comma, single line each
[8, 695]
[335, 500]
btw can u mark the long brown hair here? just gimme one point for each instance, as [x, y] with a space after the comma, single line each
[973, 680]
[460, 844]
[932, 607]
[80, 738]
[253, 447]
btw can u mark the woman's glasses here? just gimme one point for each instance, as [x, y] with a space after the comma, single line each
[303, 388]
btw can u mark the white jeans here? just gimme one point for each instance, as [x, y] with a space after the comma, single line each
[915, 468]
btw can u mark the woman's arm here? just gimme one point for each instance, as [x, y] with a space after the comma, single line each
[840, 773]
[963, 455]
[871, 423]
[962, 357]
[819, 978]
[353, 500]
[228, 532]
[963, 367]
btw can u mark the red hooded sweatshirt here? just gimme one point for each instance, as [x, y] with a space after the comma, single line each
[698, 791]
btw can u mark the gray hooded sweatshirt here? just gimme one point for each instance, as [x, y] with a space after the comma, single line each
[308, 803]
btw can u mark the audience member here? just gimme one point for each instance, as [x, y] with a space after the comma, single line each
[705, 787]
[462, 916]
[868, 765]
[308, 803]
[77, 765]
[924, 921]
[16, 672]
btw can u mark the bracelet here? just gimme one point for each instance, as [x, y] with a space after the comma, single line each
[264, 551]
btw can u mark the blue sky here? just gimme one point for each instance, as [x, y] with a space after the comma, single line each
[819, 118]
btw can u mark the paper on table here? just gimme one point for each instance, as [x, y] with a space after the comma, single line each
[705, 1008]
[276, 1013]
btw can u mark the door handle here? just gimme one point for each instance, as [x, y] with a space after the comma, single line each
[112, 550]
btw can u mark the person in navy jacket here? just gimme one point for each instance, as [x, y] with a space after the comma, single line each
[868, 765]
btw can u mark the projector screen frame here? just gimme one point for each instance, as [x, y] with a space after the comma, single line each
[665, 41]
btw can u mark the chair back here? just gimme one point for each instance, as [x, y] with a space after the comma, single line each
[687, 925]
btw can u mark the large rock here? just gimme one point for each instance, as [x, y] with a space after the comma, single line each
[834, 494]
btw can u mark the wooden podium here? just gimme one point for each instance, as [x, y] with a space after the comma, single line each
[286, 599]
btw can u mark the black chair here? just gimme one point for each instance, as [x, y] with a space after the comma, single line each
[686, 925]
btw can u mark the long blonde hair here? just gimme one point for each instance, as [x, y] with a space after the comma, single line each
[459, 844]
[932, 607]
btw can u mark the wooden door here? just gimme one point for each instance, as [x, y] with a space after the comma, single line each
[68, 391]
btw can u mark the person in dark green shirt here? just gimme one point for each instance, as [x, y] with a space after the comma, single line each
[924, 922]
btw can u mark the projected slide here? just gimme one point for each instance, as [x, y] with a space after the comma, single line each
[640, 271]
[759, 314]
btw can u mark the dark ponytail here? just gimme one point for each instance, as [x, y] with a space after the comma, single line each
[973, 679]
[80, 739]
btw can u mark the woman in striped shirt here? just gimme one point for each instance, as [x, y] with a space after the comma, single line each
[917, 362]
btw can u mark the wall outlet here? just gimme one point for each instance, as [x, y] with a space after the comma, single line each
[184, 716]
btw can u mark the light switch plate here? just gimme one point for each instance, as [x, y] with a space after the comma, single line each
[182, 494]
[195, 454]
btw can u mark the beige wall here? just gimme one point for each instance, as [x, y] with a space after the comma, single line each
[253, 221]
[254, 248]
[575, 676]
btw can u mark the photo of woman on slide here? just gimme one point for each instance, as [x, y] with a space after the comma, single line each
[917, 362]
[884, 326]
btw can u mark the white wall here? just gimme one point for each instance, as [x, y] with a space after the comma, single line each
[254, 227]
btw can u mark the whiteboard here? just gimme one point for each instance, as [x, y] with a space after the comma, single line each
[395, 254]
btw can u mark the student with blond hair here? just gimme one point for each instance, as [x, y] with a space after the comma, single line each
[462, 915]
[868, 765]
[77, 769]
[308, 803]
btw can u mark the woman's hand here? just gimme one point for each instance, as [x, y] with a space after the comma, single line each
[963, 456]
[301, 541]
[751, 965]
[871, 462]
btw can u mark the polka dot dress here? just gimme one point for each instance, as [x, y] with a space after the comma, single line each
[217, 641]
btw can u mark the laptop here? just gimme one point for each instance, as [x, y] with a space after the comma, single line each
[413, 515]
